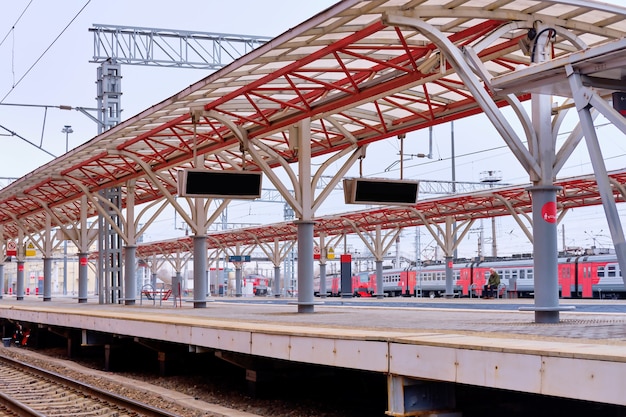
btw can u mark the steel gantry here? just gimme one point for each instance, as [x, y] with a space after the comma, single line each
[356, 73]
[133, 45]
[116, 45]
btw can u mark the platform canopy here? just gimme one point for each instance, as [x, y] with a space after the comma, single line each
[357, 80]
[500, 201]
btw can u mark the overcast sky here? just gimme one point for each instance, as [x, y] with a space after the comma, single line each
[63, 75]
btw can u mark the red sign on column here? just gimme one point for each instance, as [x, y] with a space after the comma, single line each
[548, 212]
[83, 261]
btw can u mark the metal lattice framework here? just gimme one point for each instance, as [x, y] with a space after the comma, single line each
[168, 47]
[355, 78]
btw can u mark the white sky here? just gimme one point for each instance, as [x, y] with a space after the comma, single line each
[64, 75]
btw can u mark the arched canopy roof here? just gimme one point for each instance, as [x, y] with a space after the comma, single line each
[358, 80]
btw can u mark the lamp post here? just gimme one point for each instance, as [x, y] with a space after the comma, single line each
[67, 129]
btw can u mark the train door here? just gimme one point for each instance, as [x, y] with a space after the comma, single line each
[372, 284]
[465, 280]
[585, 278]
[411, 282]
[480, 279]
[404, 283]
[566, 276]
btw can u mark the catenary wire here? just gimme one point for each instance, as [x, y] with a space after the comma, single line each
[16, 22]
[45, 51]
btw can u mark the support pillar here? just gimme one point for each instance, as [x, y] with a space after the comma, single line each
[346, 276]
[380, 293]
[177, 284]
[1, 280]
[130, 273]
[545, 255]
[221, 282]
[305, 266]
[412, 397]
[238, 278]
[276, 281]
[200, 284]
[107, 357]
[19, 290]
[449, 277]
[162, 356]
[83, 277]
[581, 97]
[47, 279]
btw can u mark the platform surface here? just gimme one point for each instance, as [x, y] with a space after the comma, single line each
[481, 342]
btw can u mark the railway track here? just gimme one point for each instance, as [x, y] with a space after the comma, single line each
[26, 390]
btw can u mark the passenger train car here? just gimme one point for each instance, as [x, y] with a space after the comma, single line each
[589, 276]
[260, 284]
[362, 285]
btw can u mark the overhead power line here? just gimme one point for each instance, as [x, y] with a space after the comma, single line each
[16, 22]
[12, 133]
[15, 84]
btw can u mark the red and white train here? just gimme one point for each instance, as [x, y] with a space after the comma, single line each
[259, 283]
[587, 276]
[361, 285]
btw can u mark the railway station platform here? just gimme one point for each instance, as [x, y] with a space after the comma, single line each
[420, 345]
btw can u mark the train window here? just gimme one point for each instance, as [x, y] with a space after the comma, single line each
[522, 273]
[601, 271]
[611, 269]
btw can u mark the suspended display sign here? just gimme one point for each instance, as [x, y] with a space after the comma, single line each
[239, 258]
[380, 191]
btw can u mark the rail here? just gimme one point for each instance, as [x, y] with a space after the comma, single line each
[22, 386]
